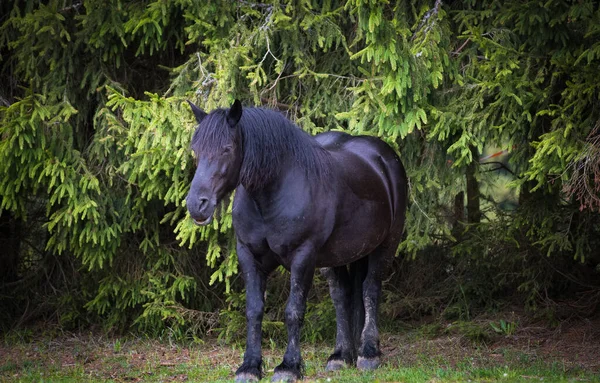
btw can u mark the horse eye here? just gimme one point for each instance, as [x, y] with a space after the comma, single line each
[227, 149]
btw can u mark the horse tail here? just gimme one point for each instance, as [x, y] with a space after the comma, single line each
[358, 273]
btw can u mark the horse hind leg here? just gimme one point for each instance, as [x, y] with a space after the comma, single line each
[344, 354]
[369, 353]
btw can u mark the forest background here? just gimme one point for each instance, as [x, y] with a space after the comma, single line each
[493, 107]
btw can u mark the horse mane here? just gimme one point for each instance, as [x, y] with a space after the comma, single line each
[269, 142]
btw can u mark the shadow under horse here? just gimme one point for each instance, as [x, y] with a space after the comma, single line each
[333, 201]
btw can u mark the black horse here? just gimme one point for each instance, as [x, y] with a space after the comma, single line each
[303, 202]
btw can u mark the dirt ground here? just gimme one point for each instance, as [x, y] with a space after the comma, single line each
[574, 344]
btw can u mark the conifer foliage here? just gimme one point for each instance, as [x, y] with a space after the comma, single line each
[94, 135]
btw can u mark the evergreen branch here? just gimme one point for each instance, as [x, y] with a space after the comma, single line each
[410, 192]
[4, 101]
[500, 166]
[268, 52]
[278, 78]
[432, 12]
[584, 183]
[257, 5]
[316, 74]
[206, 79]
[279, 105]
[71, 7]
[456, 52]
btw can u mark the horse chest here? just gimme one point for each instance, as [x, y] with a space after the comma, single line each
[280, 222]
[280, 236]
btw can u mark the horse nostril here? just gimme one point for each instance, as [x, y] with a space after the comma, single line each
[203, 202]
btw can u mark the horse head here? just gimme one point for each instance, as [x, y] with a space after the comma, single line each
[216, 146]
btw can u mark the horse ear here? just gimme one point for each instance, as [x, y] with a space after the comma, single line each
[199, 113]
[235, 113]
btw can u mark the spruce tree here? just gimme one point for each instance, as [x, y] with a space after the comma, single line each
[94, 134]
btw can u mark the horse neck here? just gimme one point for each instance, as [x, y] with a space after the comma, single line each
[269, 154]
[260, 176]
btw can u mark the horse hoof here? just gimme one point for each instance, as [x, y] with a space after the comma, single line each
[246, 377]
[335, 365]
[284, 376]
[367, 363]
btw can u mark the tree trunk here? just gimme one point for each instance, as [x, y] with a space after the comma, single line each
[10, 244]
[458, 219]
[473, 208]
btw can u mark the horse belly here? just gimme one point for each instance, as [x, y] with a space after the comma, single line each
[356, 236]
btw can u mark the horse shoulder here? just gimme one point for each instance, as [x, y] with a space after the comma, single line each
[247, 221]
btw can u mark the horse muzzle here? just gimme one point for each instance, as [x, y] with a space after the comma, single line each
[201, 210]
[203, 223]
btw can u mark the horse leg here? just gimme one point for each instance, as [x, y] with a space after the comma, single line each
[302, 270]
[255, 278]
[369, 352]
[339, 289]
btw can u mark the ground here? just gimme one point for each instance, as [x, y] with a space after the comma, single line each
[483, 350]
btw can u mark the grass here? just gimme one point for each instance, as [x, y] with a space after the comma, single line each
[415, 356]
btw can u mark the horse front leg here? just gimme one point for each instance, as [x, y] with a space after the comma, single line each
[255, 278]
[302, 271]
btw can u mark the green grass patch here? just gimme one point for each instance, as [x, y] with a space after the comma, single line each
[315, 372]
[423, 355]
